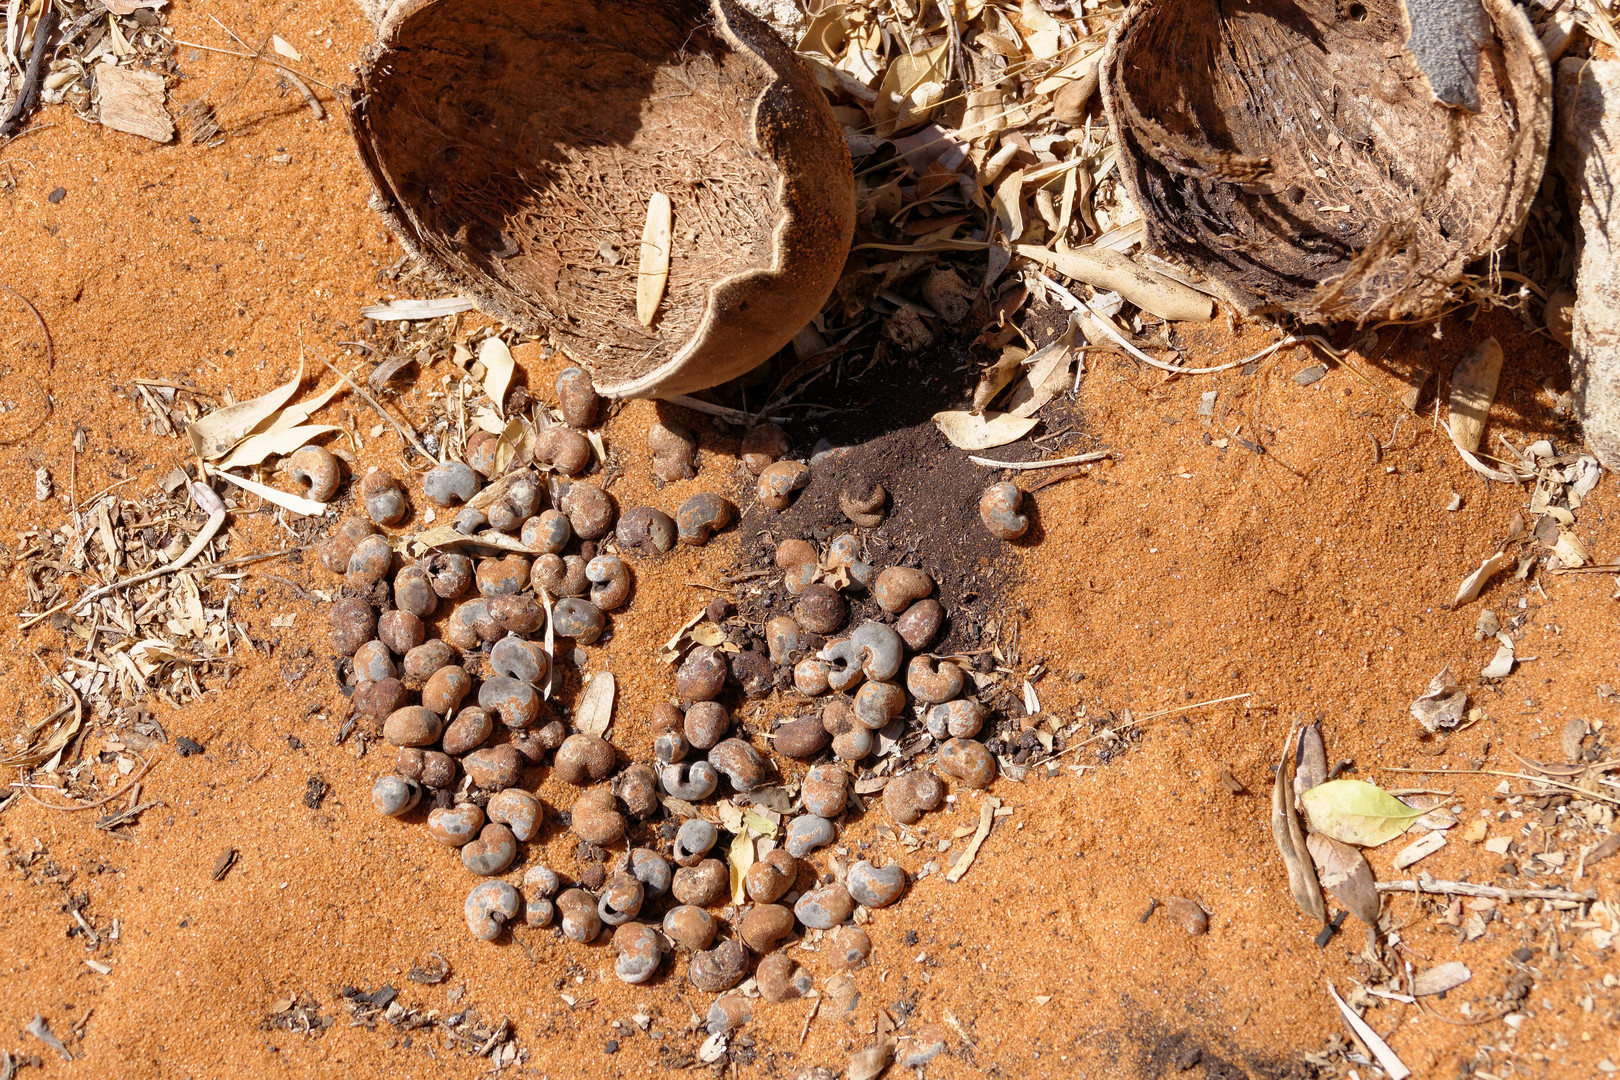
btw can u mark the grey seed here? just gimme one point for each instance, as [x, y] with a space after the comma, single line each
[520, 659]
[548, 533]
[578, 619]
[999, 510]
[875, 886]
[876, 703]
[493, 851]
[694, 840]
[395, 796]
[453, 826]
[422, 661]
[806, 833]
[493, 767]
[373, 662]
[640, 951]
[621, 900]
[670, 747]
[729, 1012]
[383, 499]
[610, 578]
[370, 562]
[451, 574]
[489, 907]
[701, 516]
[579, 919]
[691, 781]
[825, 907]
[451, 484]
[471, 521]
[652, 870]
[444, 690]
[646, 531]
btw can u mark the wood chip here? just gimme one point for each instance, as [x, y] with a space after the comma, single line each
[654, 273]
[132, 102]
[987, 816]
[1421, 848]
[223, 864]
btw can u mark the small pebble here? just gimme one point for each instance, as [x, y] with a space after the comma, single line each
[578, 619]
[563, 449]
[1188, 914]
[547, 533]
[421, 662]
[960, 719]
[862, 503]
[799, 563]
[444, 690]
[451, 574]
[373, 661]
[784, 638]
[369, 563]
[378, 699]
[841, 996]
[516, 703]
[637, 788]
[621, 899]
[471, 728]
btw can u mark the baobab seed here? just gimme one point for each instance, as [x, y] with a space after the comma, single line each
[445, 689]
[451, 484]
[579, 919]
[413, 591]
[825, 907]
[806, 833]
[701, 676]
[621, 899]
[753, 671]
[525, 494]
[719, 968]
[799, 563]
[400, 631]
[999, 510]
[470, 521]
[480, 452]
[898, 587]
[408, 762]
[674, 451]
[763, 925]
[646, 531]
[493, 767]
[651, 869]
[744, 766]
[639, 952]
[595, 817]
[383, 498]
[438, 770]
[453, 826]
[502, 577]
[373, 661]
[967, 761]
[637, 788]
[875, 886]
[589, 510]
[547, 533]
[701, 516]
[584, 759]
[336, 550]
[769, 879]
[665, 716]
[907, 798]
[802, 738]
[780, 979]
[516, 703]
[576, 397]
[354, 622]
[784, 637]
[318, 470]
[848, 948]
[395, 796]
[694, 840]
[471, 729]
[378, 699]
[558, 575]
[703, 884]
[451, 574]
[489, 907]
[422, 661]
[689, 927]
[826, 791]
[820, 609]
[779, 481]
[920, 623]
[563, 449]
[412, 726]
[706, 723]
[763, 445]
[521, 615]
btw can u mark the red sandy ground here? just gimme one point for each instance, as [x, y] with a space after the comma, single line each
[1309, 577]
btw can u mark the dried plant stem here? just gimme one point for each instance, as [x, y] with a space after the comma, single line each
[404, 429]
[210, 528]
[1464, 888]
[134, 782]
[1078, 459]
[1141, 720]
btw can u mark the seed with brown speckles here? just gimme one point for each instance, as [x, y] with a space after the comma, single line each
[920, 622]
[584, 759]
[567, 451]
[503, 577]
[907, 798]
[720, 968]
[576, 397]
[967, 761]
[701, 676]
[820, 609]
[898, 587]
[779, 481]
[383, 498]
[471, 729]
[674, 451]
[701, 516]
[689, 927]
[422, 661]
[401, 631]
[706, 723]
[703, 884]
[595, 817]
[763, 925]
[780, 979]
[802, 738]
[369, 562]
[493, 767]
[646, 531]
[336, 549]
[763, 445]
[378, 699]
[769, 879]
[354, 622]
[444, 690]
[589, 510]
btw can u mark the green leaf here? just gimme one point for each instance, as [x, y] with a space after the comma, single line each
[1356, 812]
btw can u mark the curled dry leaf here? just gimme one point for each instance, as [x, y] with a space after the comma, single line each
[1387, 1058]
[444, 536]
[993, 379]
[213, 436]
[1345, 872]
[1290, 841]
[741, 857]
[1048, 374]
[1310, 760]
[1443, 705]
[412, 310]
[968, 432]
[1437, 980]
[594, 713]
[498, 369]
[1501, 665]
[911, 88]
[1473, 583]
[1110, 271]
[1356, 812]
[284, 499]
[1473, 388]
[255, 449]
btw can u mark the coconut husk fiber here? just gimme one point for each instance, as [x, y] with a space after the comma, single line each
[1294, 152]
[514, 147]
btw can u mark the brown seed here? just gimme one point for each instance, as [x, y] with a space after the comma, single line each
[408, 762]
[576, 397]
[920, 622]
[471, 728]
[784, 637]
[862, 503]
[779, 481]
[780, 979]
[825, 907]
[753, 671]
[666, 716]
[769, 879]
[802, 738]
[369, 563]
[453, 826]
[967, 761]
[354, 622]
[493, 851]
[548, 533]
[637, 788]
[493, 767]
[336, 549]
[646, 531]
[720, 968]
[451, 574]
[909, 797]
[701, 516]
[595, 817]
[763, 925]
[480, 454]
[640, 951]
[706, 723]
[799, 564]
[1189, 914]
[898, 587]
[503, 577]
[567, 451]
[378, 699]
[848, 947]
[422, 661]
[674, 451]
[580, 922]
[445, 689]
[589, 510]
[744, 766]
[516, 703]
[383, 498]
[413, 591]
[438, 770]
[558, 575]
[689, 927]
[517, 614]
[412, 726]
[820, 609]
[998, 509]
[826, 791]
[702, 675]
[584, 759]
[703, 884]
[401, 631]
[763, 445]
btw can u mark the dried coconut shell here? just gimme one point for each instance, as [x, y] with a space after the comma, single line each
[514, 147]
[1295, 153]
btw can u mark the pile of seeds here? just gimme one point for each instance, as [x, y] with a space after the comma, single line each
[516, 577]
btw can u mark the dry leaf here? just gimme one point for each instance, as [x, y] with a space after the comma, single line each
[968, 432]
[296, 413]
[654, 273]
[1473, 388]
[1437, 980]
[127, 7]
[1443, 705]
[254, 449]
[284, 47]
[1387, 1058]
[1310, 760]
[412, 310]
[910, 89]
[594, 713]
[1009, 205]
[1501, 665]
[741, 858]
[498, 369]
[1421, 848]
[1048, 374]
[1473, 583]
[443, 536]
[1110, 271]
[1356, 812]
[993, 379]
[286, 500]
[1290, 841]
[1345, 872]
[213, 436]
